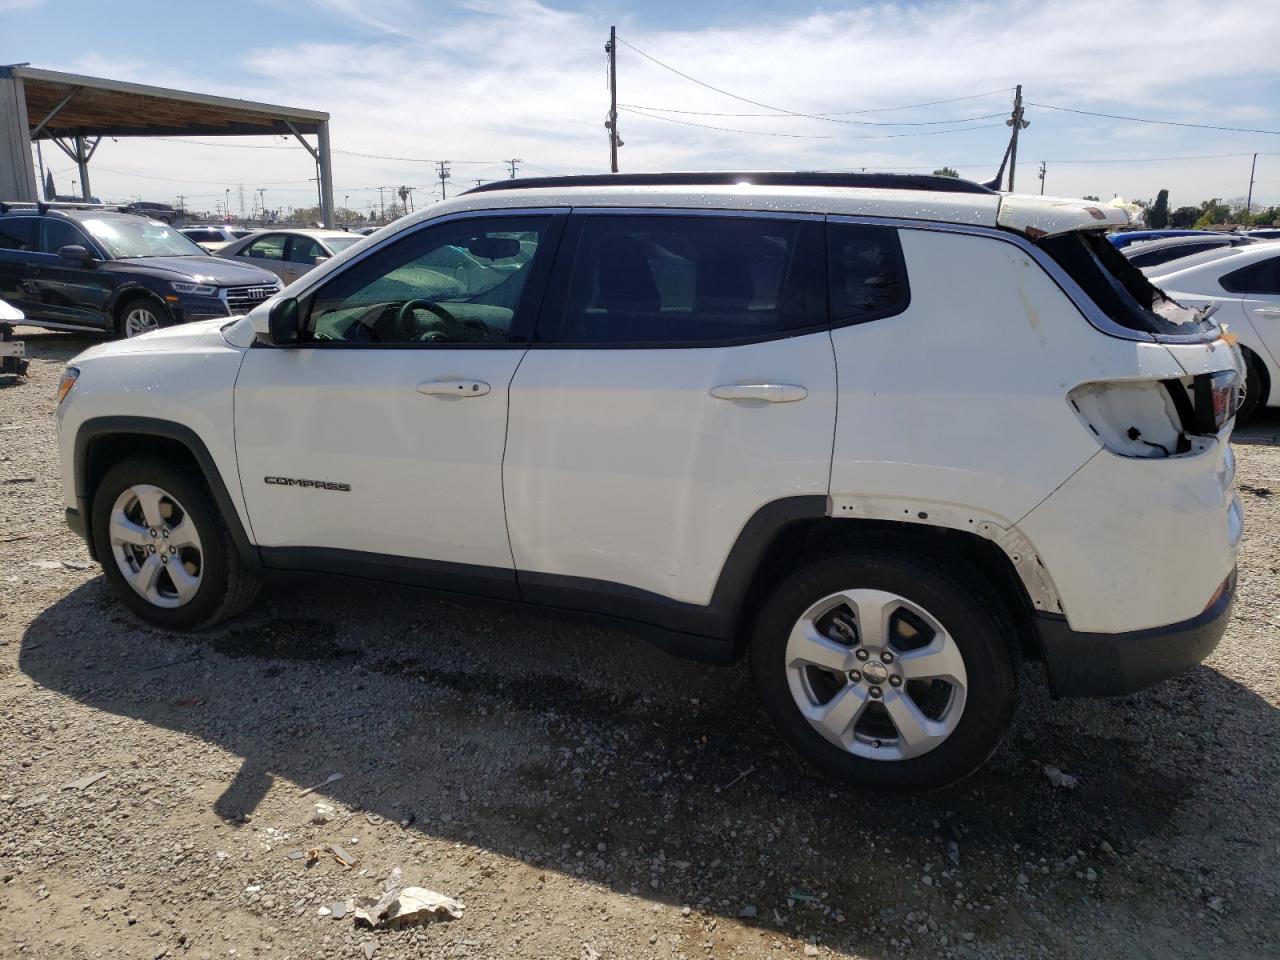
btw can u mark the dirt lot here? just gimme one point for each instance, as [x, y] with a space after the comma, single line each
[583, 794]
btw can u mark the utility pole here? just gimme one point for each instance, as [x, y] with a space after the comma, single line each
[412, 204]
[1043, 169]
[611, 124]
[182, 202]
[1011, 151]
[1017, 123]
[382, 207]
[1248, 204]
[443, 166]
[262, 203]
[512, 164]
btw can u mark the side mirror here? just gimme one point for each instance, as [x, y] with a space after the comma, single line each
[321, 259]
[76, 252]
[282, 322]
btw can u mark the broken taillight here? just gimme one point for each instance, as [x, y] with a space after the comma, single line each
[1217, 395]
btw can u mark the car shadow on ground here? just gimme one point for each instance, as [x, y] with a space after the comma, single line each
[1263, 429]
[577, 749]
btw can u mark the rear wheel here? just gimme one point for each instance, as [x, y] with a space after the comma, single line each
[885, 671]
[141, 315]
[164, 549]
[1255, 387]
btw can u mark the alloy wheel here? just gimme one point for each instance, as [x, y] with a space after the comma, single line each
[156, 546]
[140, 320]
[876, 674]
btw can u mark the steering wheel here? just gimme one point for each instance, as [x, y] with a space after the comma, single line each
[403, 316]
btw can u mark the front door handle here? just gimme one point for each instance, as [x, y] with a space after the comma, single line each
[770, 392]
[453, 388]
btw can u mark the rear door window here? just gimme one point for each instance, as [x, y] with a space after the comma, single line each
[18, 233]
[675, 280]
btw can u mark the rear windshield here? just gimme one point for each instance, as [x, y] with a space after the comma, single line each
[1119, 289]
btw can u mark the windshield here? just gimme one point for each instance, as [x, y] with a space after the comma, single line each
[127, 239]
[1121, 290]
[338, 244]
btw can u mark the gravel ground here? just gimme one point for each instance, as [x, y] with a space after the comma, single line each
[581, 793]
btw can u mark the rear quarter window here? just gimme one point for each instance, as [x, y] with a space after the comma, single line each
[1260, 277]
[867, 275]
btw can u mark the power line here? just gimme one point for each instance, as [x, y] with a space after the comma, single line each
[1167, 123]
[865, 123]
[804, 136]
[783, 110]
[1200, 156]
[348, 153]
[146, 176]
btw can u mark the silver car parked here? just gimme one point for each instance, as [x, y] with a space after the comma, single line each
[289, 253]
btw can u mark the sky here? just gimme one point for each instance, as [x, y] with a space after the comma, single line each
[831, 86]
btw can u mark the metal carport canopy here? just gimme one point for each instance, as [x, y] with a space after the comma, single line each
[76, 112]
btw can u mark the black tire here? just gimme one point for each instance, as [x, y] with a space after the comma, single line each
[1255, 387]
[226, 586]
[979, 629]
[141, 301]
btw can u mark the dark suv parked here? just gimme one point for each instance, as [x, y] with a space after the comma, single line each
[156, 211]
[94, 270]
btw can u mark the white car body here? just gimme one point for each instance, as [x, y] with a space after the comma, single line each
[1252, 316]
[999, 406]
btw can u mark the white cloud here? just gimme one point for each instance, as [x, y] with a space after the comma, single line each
[488, 80]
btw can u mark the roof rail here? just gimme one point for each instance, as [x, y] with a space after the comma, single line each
[874, 181]
[43, 206]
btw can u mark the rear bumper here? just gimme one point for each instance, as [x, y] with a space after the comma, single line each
[1114, 664]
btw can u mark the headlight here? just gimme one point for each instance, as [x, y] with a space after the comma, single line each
[199, 289]
[69, 377]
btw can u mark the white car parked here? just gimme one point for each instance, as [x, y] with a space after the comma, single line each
[1244, 284]
[885, 435]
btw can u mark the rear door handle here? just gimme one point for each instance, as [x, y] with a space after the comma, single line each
[1268, 311]
[770, 392]
[453, 388]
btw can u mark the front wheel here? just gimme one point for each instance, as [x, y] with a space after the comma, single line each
[884, 670]
[141, 315]
[164, 548]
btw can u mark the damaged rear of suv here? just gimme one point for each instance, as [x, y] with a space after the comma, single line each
[886, 436]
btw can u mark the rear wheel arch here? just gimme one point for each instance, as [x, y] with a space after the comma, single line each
[103, 442]
[806, 541]
[1256, 366]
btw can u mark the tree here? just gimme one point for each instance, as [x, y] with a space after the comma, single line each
[1158, 212]
[1184, 217]
[946, 172]
[1091, 197]
[1211, 212]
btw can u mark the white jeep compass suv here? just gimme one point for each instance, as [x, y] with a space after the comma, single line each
[885, 436]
